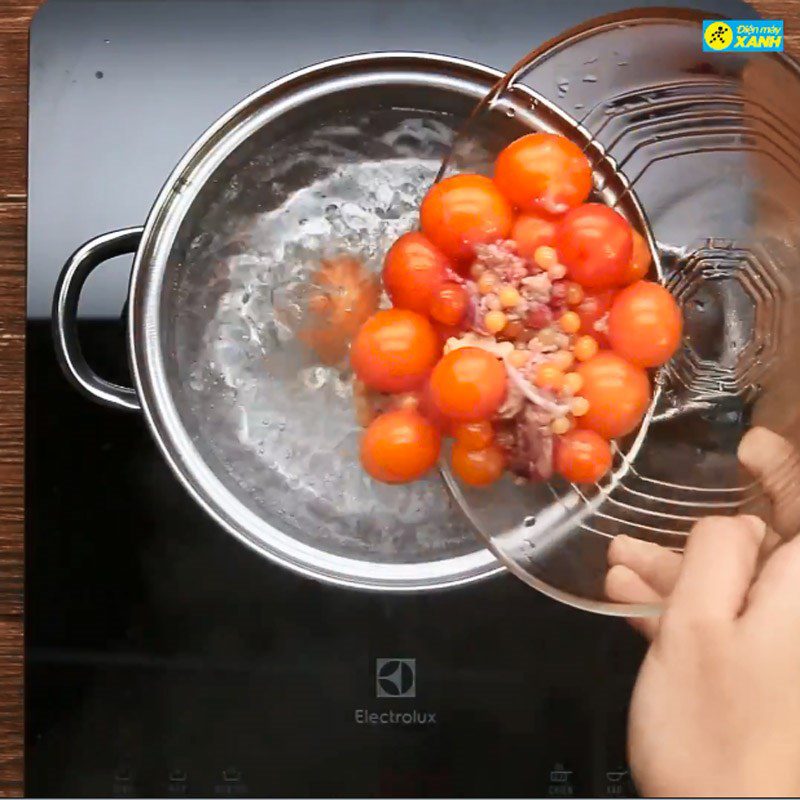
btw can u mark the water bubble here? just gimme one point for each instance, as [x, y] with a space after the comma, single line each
[510, 112]
[590, 78]
[384, 195]
[579, 106]
[315, 378]
[563, 87]
[622, 63]
[354, 216]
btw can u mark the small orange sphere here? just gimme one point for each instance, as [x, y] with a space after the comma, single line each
[574, 294]
[348, 294]
[413, 272]
[573, 383]
[586, 347]
[399, 447]
[618, 394]
[579, 406]
[560, 425]
[543, 171]
[487, 283]
[478, 467]
[583, 456]
[645, 324]
[394, 350]
[550, 376]
[495, 321]
[449, 304]
[468, 384]
[509, 296]
[595, 243]
[462, 211]
[570, 322]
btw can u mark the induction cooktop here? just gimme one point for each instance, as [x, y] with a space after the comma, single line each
[165, 659]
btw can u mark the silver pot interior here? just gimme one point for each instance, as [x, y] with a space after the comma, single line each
[335, 162]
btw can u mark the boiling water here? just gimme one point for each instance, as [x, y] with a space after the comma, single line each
[282, 424]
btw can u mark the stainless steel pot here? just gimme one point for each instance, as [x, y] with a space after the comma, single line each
[334, 157]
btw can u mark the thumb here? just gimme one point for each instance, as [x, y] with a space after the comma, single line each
[775, 463]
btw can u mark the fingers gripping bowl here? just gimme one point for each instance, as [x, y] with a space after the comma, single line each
[333, 158]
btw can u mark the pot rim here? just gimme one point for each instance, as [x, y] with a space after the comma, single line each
[147, 356]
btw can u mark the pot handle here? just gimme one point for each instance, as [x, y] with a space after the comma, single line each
[65, 317]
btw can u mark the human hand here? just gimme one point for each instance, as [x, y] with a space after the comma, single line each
[716, 707]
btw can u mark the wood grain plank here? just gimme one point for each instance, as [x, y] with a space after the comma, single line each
[14, 21]
[15, 16]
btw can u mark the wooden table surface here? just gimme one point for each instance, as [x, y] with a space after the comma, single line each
[15, 16]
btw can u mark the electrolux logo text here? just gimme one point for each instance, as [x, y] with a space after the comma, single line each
[395, 679]
[364, 716]
[743, 36]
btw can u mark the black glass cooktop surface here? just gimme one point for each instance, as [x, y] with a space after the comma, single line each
[165, 659]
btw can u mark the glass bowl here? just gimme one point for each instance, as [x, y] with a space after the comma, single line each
[708, 144]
